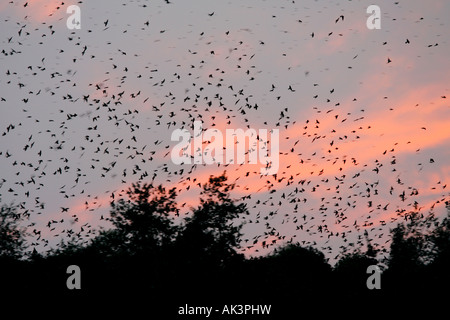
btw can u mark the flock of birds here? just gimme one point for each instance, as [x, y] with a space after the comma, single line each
[72, 145]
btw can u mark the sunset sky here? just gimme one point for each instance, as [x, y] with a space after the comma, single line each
[363, 115]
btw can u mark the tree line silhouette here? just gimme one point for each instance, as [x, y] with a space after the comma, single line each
[198, 259]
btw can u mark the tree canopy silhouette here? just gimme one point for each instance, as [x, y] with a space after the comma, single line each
[12, 235]
[197, 255]
[419, 254]
[212, 233]
[143, 222]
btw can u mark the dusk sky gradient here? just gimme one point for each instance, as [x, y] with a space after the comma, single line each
[79, 108]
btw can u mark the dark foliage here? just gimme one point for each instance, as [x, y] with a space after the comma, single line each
[148, 257]
[12, 242]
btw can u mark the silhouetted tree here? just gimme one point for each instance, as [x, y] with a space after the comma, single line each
[212, 233]
[12, 247]
[410, 249]
[413, 250]
[440, 237]
[143, 222]
[290, 272]
[12, 235]
[146, 250]
[351, 272]
[440, 243]
[351, 269]
[207, 244]
[133, 254]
